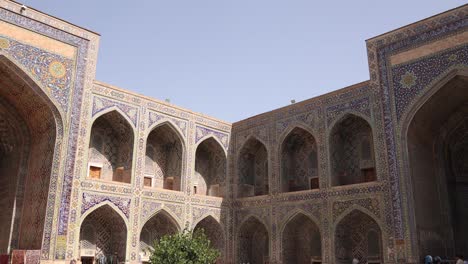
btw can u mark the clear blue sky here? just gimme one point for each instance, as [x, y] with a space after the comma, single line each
[234, 59]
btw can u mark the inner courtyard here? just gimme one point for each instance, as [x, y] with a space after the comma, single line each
[376, 171]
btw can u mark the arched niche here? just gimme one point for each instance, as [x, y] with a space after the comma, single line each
[214, 232]
[30, 137]
[357, 235]
[254, 242]
[157, 226]
[253, 169]
[210, 169]
[299, 161]
[301, 241]
[103, 236]
[163, 162]
[352, 151]
[437, 147]
[111, 148]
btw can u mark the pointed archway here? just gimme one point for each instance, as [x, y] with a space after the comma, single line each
[163, 162]
[436, 138]
[159, 225]
[352, 151]
[253, 169]
[210, 169]
[214, 232]
[253, 242]
[357, 235]
[299, 161]
[103, 236]
[301, 241]
[111, 148]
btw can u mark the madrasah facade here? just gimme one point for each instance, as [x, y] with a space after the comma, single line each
[376, 171]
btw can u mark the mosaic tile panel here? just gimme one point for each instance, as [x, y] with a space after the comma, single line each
[53, 71]
[410, 80]
[101, 104]
[361, 105]
[91, 200]
[202, 132]
[157, 118]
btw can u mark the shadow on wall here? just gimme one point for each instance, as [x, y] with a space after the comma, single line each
[210, 169]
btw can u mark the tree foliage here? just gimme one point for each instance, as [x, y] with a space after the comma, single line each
[187, 247]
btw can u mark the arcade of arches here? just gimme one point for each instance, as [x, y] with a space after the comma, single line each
[376, 171]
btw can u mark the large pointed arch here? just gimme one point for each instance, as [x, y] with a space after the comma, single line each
[253, 168]
[351, 148]
[110, 155]
[298, 160]
[253, 242]
[164, 162]
[31, 135]
[210, 168]
[433, 149]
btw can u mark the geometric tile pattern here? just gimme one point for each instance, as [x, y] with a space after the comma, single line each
[383, 102]
[91, 200]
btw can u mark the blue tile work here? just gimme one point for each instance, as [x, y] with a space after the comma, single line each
[158, 118]
[361, 105]
[90, 200]
[74, 112]
[384, 49]
[53, 71]
[411, 78]
[308, 119]
[101, 104]
[202, 132]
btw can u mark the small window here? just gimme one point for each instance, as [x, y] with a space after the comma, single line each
[147, 181]
[169, 183]
[119, 174]
[194, 189]
[314, 183]
[95, 172]
[369, 175]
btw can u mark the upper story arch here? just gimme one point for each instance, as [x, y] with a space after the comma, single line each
[164, 157]
[210, 168]
[111, 146]
[253, 168]
[351, 150]
[298, 152]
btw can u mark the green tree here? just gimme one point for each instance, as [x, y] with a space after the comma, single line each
[187, 247]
